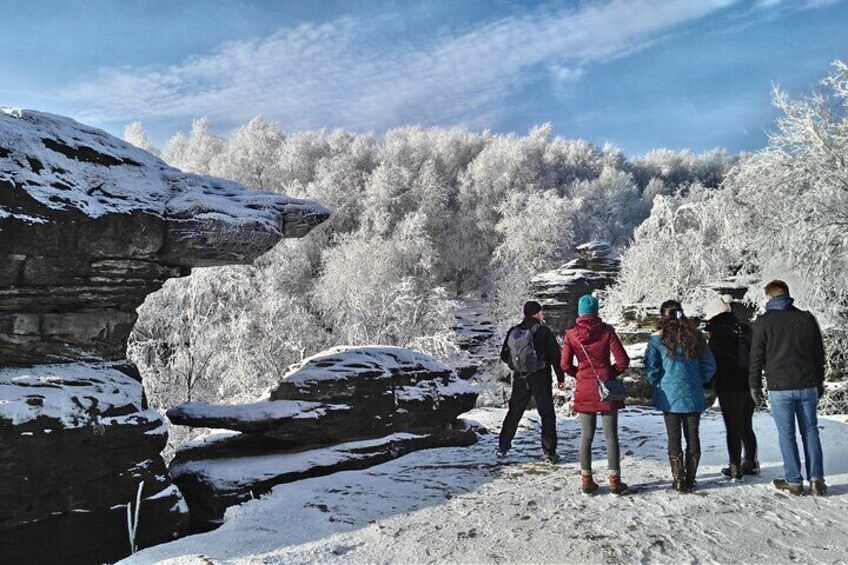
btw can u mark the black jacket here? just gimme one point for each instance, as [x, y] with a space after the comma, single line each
[730, 375]
[546, 346]
[788, 345]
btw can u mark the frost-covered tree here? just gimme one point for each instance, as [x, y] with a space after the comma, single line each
[608, 207]
[414, 212]
[199, 153]
[681, 168]
[380, 291]
[781, 213]
[135, 134]
[252, 156]
[674, 253]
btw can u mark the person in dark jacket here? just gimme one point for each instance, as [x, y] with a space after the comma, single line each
[590, 342]
[678, 364]
[787, 344]
[532, 381]
[730, 343]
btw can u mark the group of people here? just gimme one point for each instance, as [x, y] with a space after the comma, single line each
[681, 362]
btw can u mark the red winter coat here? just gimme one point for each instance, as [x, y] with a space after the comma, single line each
[599, 340]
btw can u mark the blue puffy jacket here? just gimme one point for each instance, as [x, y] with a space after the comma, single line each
[678, 383]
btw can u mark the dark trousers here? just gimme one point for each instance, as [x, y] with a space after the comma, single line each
[537, 385]
[737, 409]
[689, 423]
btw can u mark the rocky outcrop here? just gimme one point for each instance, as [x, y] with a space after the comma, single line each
[77, 443]
[346, 408]
[89, 226]
[558, 290]
[234, 469]
[97, 224]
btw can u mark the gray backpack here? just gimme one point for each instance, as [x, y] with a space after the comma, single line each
[522, 350]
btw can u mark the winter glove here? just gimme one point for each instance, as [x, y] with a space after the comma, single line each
[820, 390]
[759, 398]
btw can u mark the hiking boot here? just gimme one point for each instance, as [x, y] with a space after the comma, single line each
[733, 472]
[782, 485]
[677, 472]
[616, 486]
[692, 460]
[587, 484]
[818, 487]
[552, 458]
[751, 468]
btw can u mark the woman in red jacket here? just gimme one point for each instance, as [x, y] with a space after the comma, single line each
[591, 341]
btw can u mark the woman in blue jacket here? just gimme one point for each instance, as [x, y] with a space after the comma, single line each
[678, 364]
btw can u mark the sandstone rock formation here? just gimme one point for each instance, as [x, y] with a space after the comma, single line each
[558, 290]
[89, 226]
[346, 408]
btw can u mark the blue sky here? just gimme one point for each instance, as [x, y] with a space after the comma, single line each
[641, 74]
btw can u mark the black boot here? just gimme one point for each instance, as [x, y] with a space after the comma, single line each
[733, 472]
[751, 467]
[692, 460]
[677, 472]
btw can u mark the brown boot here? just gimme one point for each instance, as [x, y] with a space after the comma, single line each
[692, 460]
[818, 487]
[782, 485]
[587, 484]
[677, 472]
[616, 486]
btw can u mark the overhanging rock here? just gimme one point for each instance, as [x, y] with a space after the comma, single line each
[89, 226]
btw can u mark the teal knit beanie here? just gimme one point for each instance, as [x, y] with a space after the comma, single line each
[587, 304]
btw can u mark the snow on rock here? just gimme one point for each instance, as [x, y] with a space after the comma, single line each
[344, 393]
[64, 165]
[558, 290]
[344, 362]
[596, 249]
[258, 417]
[66, 396]
[388, 389]
[386, 400]
[97, 224]
[460, 505]
[89, 226]
[77, 441]
[245, 467]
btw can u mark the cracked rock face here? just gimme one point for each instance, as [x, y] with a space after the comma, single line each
[89, 226]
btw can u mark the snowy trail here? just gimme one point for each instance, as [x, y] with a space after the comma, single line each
[459, 505]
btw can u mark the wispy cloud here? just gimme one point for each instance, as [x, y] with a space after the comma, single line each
[767, 4]
[794, 4]
[341, 75]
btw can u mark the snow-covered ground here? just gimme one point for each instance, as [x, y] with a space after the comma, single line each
[460, 505]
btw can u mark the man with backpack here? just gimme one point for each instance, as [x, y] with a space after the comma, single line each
[730, 343]
[787, 343]
[530, 350]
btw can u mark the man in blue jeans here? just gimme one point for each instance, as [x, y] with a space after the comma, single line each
[787, 344]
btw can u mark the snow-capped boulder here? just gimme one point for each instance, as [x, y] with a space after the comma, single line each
[231, 469]
[346, 393]
[77, 443]
[89, 226]
[558, 290]
[345, 408]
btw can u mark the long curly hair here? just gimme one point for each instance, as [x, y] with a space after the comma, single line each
[679, 333]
